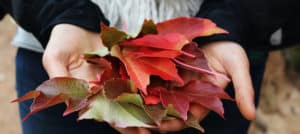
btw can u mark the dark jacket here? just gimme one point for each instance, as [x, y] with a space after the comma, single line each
[39, 16]
[250, 22]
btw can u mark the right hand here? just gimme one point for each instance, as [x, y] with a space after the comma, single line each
[63, 58]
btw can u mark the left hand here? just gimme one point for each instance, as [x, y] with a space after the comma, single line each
[230, 59]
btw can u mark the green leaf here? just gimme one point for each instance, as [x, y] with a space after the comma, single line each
[156, 112]
[148, 27]
[74, 92]
[99, 53]
[117, 113]
[194, 123]
[116, 87]
[172, 112]
[111, 36]
[130, 98]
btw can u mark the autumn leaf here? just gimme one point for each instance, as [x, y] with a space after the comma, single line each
[154, 53]
[172, 41]
[120, 114]
[115, 87]
[162, 62]
[155, 112]
[111, 36]
[162, 67]
[177, 99]
[134, 69]
[148, 27]
[197, 91]
[189, 27]
[140, 69]
[194, 123]
[74, 92]
[198, 63]
[99, 53]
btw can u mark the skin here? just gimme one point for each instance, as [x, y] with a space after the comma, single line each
[62, 57]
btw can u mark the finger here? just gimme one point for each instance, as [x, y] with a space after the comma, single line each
[55, 68]
[172, 125]
[198, 111]
[133, 130]
[144, 131]
[244, 92]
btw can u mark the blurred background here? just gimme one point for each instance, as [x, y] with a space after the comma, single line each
[278, 112]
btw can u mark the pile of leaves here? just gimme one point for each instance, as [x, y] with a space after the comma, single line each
[146, 79]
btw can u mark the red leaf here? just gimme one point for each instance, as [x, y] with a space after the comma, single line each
[195, 87]
[151, 52]
[43, 102]
[115, 87]
[172, 41]
[196, 91]
[123, 73]
[180, 102]
[140, 69]
[198, 61]
[74, 92]
[153, 97]
[134, 69]
[162, 67]
[189, 27]
[211, 103]
[27, 96]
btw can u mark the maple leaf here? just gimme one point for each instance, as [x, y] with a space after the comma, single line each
[194, 123]
[154, 53]
[112, 68]
[99, 53]
[165, 52]
[140, 69]
[111, 36]
[148, 27]
[119, 114]
[115, 87]
[117, 105]
[134, 69]
[198, 63]
[74, 92]
[189, 27]
[197, 91]
[171, 41]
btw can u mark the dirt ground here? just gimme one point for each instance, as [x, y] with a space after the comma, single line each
[278, 113]
[9, 119]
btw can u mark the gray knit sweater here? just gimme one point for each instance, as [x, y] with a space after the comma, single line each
[125, 13]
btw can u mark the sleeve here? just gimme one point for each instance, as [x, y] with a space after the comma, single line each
[40, 16]
[225, 16]
[2, 13]
[249, 22]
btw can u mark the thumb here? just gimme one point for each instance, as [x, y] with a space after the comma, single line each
[54, 67]
[133, 130]
[238, 69]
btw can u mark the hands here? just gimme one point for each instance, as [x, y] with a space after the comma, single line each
[63, 57]
[230, 59]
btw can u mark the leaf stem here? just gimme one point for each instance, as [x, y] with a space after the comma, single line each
[201, 70]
